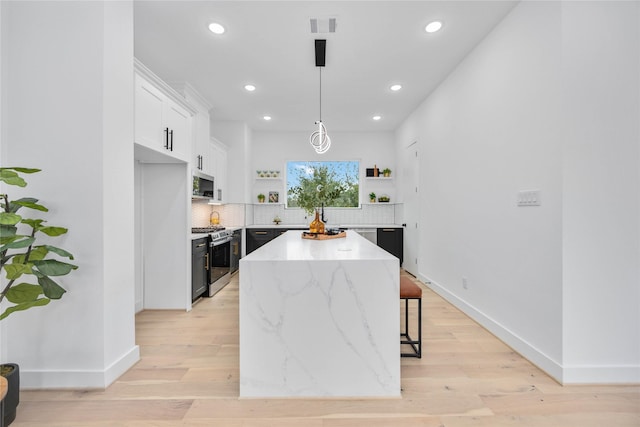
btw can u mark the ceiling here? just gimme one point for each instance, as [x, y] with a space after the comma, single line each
[270, 45]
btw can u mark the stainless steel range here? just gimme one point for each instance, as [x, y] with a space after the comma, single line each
[219, 256]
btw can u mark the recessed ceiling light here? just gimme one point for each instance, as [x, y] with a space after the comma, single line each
[216, 28]
[376, 118]
[432, 27]
[249, 88]
[395, 88]
[267, 118]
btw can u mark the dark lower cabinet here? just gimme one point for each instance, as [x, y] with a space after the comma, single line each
[390, 239]
[236, 251]
[199, 267]
[257, 237]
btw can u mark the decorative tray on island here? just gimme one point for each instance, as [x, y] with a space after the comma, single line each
[323, 236]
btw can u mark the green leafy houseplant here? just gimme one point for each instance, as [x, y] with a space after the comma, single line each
[22, 261]
[321, 187]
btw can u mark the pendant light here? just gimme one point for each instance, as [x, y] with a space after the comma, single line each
[319, 139]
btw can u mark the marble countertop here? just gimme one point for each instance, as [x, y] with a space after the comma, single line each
[305, 226]
[290, 246]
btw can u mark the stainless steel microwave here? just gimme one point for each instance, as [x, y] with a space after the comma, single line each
[202, 187]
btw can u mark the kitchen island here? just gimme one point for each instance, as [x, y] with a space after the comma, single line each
[319, 319]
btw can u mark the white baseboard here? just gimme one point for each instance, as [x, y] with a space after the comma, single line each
[78, 379]
[528, 351]
[567, 374]
[587, 374]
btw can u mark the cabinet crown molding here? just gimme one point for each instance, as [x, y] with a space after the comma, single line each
[170, 92]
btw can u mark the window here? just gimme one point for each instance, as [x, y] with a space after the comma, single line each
[312, 184]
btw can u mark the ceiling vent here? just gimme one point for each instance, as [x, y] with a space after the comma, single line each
[323, 25]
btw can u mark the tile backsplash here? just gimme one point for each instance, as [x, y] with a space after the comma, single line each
[231, 215]
[239, 215]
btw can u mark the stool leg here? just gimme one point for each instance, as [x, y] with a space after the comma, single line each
[419, 327]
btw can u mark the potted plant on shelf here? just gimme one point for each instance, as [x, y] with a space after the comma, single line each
[23, 261]
[315, 190]
[261, 198]
[372, 197]
[386, 172]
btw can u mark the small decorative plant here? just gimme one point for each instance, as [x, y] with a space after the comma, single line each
[372, 197]
[261, 198]
[22, 260]
[386, 172]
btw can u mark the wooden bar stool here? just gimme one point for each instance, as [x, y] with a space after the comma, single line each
[411, 291]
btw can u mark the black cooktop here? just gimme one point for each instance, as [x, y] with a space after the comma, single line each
[206, 229]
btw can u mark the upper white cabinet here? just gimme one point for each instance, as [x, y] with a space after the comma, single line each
[220, 171]
[162, 123]
[202, 155]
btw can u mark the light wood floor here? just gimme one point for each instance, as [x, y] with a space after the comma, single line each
[188, 376]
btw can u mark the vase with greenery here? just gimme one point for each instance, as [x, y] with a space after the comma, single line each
[386, 172]
[319, 187]
[26, 267]
[372, 197]
[261, 198]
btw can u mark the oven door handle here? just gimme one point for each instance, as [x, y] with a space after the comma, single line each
[221, 241]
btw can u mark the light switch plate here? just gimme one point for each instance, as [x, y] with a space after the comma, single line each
[529, 198]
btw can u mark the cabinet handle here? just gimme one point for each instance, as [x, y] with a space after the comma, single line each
[201, 245]
[235, 248]
[166, 138]
[260, 232]
[171, 133]
[206, 265]
[388, 229]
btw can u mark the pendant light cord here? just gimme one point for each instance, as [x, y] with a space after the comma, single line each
[320, 93]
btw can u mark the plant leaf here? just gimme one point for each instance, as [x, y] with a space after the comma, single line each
[17, 244]
[53, 231]
[38, 253]
[16, 270]
[21, 170]
[24, 292]
[58, 251]
[7, 232]
[11, 178]
[8, 218]
[30, 205]
[50, 288]
[24, 306]
[34, 223]
[15, 205]
[52, 267]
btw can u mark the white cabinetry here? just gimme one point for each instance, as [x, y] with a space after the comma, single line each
[202, 153]
[162, 123]
[220, 170]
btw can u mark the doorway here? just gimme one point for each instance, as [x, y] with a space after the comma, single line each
[411, 208]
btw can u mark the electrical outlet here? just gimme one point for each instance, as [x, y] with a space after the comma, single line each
[465, 283]
[529, 198]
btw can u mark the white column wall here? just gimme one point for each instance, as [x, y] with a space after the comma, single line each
[488, 131]
[601, 191]
[68, 109]
[237, 136]
[544, 102]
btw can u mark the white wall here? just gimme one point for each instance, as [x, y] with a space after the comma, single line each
[272, 150]
[501, 123]
[601, 191]
[67, 108]
[237, 136]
